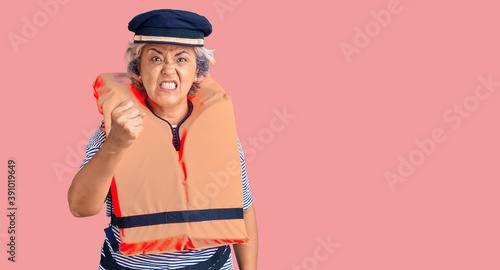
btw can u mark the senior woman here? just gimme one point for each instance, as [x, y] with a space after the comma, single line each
[166, 159]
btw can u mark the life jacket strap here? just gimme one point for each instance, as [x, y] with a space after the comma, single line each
[112, 239]
[213, 263]
[176, 217]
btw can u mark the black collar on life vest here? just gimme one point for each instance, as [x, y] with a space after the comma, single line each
[175, 131]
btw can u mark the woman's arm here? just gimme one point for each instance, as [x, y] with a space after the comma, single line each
[91, 184]
[246, 254]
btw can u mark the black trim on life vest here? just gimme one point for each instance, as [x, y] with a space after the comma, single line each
[176, 141]
[177, 217]
[213, 263]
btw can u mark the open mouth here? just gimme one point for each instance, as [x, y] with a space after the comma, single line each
[168, 85]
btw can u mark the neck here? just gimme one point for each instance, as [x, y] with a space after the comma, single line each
[173, 114]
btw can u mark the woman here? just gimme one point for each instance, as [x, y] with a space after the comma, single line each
[172, 90]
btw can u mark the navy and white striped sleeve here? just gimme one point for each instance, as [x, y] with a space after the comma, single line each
[247, 195]
[94, 144]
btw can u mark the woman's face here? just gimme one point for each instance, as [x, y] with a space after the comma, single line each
[167, 72]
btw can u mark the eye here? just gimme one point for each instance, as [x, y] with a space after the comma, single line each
[180, 59]
[156, 59]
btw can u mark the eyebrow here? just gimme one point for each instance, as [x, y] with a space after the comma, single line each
[156, 50]
[179, 53]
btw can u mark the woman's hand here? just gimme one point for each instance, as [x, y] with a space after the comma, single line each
[90, 185]
[126, 125]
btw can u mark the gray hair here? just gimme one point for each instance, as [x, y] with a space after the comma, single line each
[133, 54]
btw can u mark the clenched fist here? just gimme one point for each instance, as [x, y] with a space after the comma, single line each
[126, 125]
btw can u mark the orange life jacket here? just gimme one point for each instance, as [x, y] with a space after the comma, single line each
[168, 200]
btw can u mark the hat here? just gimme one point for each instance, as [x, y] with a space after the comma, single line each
[170, 26]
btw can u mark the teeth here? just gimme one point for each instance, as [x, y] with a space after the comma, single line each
[168, 85]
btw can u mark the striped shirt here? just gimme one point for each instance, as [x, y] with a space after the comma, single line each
[163, 261]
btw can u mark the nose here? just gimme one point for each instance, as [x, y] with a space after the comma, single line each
[168, 67]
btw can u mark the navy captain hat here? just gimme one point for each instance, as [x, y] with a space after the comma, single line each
[170, 26]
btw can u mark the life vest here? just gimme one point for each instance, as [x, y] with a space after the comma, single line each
[167, 199]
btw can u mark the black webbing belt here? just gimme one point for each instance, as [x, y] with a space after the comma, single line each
[176, 217]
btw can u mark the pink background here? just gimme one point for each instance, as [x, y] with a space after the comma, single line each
[317, 177]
